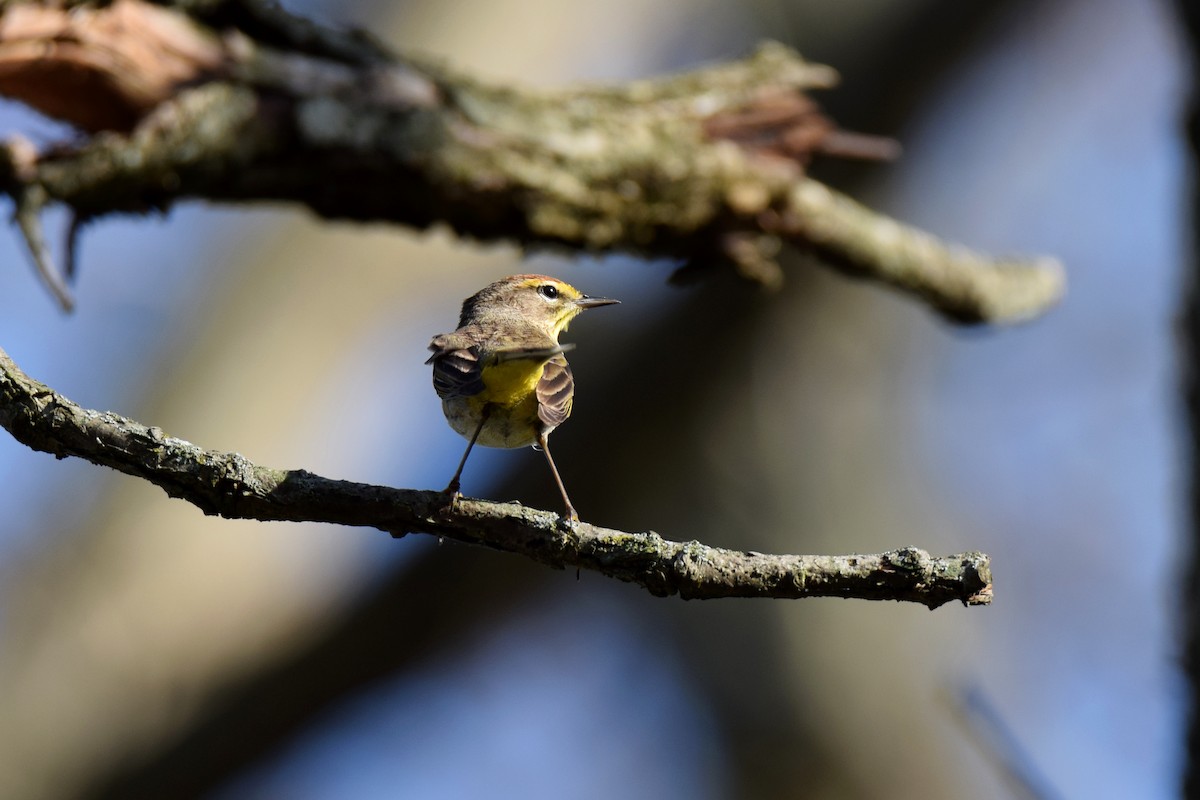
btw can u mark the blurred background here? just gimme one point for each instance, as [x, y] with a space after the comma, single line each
[148, 651]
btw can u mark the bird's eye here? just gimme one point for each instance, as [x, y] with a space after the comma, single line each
[548, 291]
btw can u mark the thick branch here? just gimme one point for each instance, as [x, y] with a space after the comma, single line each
[230, 485]
[238, 103]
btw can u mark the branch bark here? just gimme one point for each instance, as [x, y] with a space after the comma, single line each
[233, 100]
[230, 485]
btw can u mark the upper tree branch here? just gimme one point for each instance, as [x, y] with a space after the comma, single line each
[239, 101]
[230, 485]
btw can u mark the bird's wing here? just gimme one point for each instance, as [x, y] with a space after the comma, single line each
[531, 353]
[457, 370]
[555, 392]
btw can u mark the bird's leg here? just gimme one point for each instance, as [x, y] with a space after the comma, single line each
[544, 444]
[452, 489]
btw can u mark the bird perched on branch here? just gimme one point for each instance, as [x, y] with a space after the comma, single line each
[502, 376]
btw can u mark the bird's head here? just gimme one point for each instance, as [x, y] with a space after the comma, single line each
[539, 300]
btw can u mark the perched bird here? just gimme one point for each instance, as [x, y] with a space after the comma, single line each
[502, 376]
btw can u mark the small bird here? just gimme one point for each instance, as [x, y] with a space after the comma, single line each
[502, 376]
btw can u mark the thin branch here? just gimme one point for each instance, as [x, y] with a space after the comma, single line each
[17, 168]
[985, 725]
[71, 248]
[230, 485]
[239, 103]
[28, 216]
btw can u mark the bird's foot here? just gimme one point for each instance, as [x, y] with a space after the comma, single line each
[450, 497]
[569, 519]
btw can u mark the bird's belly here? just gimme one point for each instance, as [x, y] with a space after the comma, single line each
[513, 425]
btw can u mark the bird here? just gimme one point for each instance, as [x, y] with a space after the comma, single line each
[502, 376]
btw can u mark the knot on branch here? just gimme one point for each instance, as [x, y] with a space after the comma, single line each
[691, 565]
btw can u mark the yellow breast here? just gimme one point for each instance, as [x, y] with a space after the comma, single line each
[512, 382]
[510, 394]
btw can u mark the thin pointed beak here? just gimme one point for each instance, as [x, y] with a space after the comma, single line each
[593, 302]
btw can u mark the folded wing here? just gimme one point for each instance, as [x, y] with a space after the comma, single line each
[457, 371]
[555, 392]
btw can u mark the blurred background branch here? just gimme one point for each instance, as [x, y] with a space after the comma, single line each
[1190, 14]
[705, 166]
